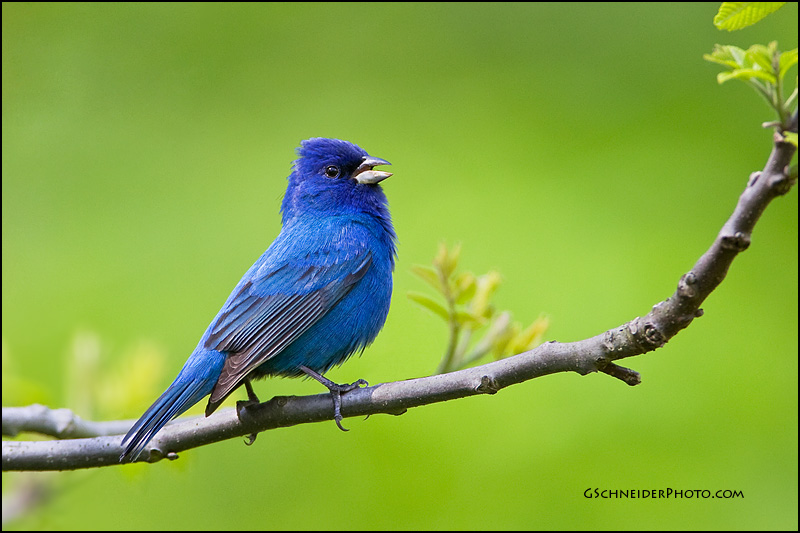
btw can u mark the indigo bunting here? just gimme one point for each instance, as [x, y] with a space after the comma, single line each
[318, 294]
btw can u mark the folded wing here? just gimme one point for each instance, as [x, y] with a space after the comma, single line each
[273, 309]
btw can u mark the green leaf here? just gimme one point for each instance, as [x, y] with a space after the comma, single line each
[494, 339]
[530, 337]
[446, 260]
[500, 332]
[452, 260]
[759, 55]
[426, 301]
[466, 318]
[441, 256]
[428, 275]
[786, 61]
[745, 74]
[487, 284]
[502, 343]
[465, 284]
[727, 55]
[737, 15]
[790, 137]
[755, 62]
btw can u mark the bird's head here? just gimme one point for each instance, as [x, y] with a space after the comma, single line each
[331, 176]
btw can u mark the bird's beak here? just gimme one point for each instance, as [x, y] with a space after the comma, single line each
[365, 174]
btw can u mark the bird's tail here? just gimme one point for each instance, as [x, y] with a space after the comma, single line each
[195, 380]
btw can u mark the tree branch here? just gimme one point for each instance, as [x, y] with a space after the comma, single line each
[598, 353]
[59, 423]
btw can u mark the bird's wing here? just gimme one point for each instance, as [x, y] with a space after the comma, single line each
[275, 307]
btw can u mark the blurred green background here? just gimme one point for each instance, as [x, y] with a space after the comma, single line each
[583, 150]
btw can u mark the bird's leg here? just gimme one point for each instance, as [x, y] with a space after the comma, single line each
[251, 394]
[252, 399]
[336, 392]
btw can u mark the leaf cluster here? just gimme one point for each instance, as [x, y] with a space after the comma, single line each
[762, 67]
[464, 302]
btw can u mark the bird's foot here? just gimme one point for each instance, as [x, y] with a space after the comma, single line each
[241, 405]
[336, 391]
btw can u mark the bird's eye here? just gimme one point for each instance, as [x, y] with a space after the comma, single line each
[332, 171]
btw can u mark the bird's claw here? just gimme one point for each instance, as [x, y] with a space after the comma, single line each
[241, 405]
[354, 385]
[336, 391]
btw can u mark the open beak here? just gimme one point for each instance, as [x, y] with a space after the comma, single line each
[365, 174]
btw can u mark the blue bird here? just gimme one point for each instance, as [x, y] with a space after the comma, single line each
[319, 293]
